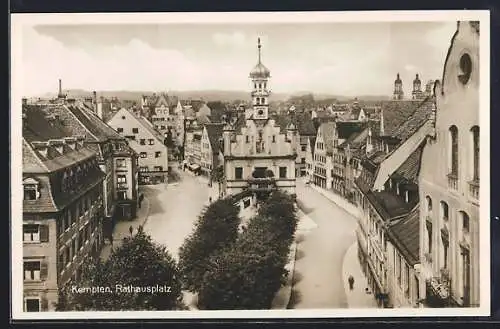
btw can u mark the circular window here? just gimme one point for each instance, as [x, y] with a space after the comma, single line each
[465, 68]
[260, 112]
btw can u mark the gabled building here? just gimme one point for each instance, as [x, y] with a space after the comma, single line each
[387, 192]
[145, 141]
[449, 181]
[162, 116]
[311, 143]
[80, 118]
[258, 155]
[63, 209]
[211, 148]
[323, 151]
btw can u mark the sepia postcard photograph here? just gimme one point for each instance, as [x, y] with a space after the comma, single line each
[250, 165]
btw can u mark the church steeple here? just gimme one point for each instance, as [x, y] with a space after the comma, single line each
[260, 93]
[398, 88]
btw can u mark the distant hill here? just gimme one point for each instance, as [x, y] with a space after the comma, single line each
[207, 95]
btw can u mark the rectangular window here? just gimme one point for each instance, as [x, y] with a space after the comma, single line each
[120, 130]
[143, 155]
[475, 136]
[120, 163]
[157, 154]
[162, 127]
[247, 139]
[303, 148]
[32, 270]
[135, 130]
[142, 141]
[158, 168]
[31, 233]
[30, 192]
[121, 179]
[407, 280]
[282, 172]
[151, 141]
[454, 150]
[132, 137]
[274, 139]
[32, 304]
[143, 169]
[238, 173]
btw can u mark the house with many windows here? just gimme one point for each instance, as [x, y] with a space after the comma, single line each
[76, 117]
[449, 181]
[387, 196]
[211, 148]
[63, 208]
[311, 143]
[146, 142]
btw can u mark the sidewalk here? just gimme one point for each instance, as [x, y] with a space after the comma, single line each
[358, 297]
[121, 229]
[338, 200]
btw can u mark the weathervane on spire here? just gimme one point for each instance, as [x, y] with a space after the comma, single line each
[259, 46]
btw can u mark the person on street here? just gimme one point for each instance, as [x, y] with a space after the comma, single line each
[351, 282]
[131, 229]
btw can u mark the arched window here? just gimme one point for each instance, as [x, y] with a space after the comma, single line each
[465, 222]
[428, 201]
[444, 211]
[454, 150]
[475, 153]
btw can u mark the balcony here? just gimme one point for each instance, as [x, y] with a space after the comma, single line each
[474, 189]
[440, 285]
[453, 181]
[261, 184]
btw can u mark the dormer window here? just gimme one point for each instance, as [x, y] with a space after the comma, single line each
[31, 190]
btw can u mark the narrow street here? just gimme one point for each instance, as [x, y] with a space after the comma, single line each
[175, 209]
[318, 272]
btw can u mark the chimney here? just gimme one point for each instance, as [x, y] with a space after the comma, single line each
[99, 109]
[369, 145]
[382, 128]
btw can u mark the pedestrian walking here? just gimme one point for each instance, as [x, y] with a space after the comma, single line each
[131, 229]
[351, 282]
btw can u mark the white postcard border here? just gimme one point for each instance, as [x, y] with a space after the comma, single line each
[20, 20]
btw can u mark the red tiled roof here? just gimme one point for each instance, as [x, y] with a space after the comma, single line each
[396, 112]
[405, 235]
[411, 167]
[328, 133]
[214, 132]
[98, 127]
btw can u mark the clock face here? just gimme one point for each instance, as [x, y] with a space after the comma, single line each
[260, 112]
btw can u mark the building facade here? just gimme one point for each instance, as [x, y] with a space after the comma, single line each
[311, 143]
[146, 142]
[211, 148]
[258, 156]
[63, 209]
[449, 181]
[323, 151]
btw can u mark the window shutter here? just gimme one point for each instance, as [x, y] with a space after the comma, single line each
[44, 233]
[44, 304]
[43, 270]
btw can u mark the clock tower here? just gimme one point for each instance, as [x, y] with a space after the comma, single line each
[260, 89]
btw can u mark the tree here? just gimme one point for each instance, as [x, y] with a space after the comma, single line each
[216, 228]
[280, 208]
[217, 176]
[138, 262]
[245, 275]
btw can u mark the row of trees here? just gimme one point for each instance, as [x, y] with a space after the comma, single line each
[227, 269]
[239, 271]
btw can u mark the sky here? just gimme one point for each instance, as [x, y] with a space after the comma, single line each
[347, 59]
